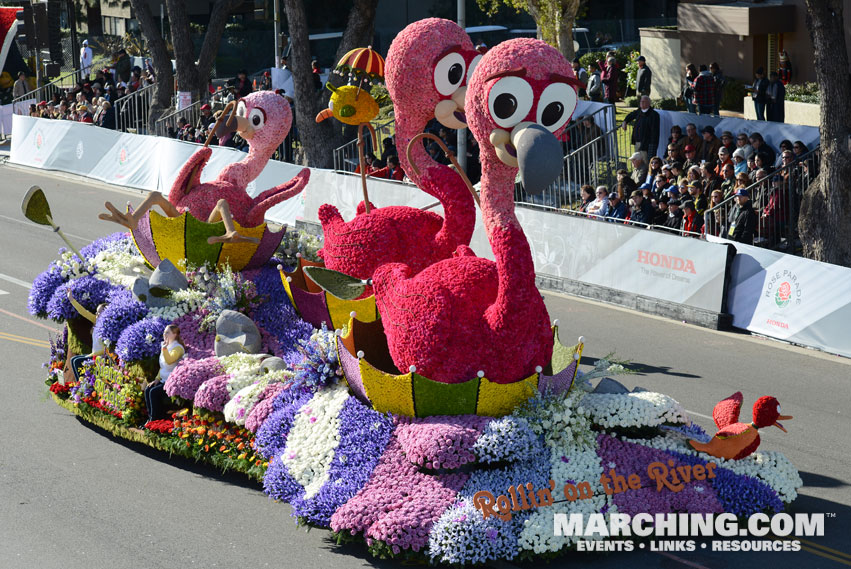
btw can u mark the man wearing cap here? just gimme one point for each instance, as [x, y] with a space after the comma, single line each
[709, 150]
[697, 198]
[675, 216]
[643, 77]
[645, 133]
[743, 220]
[728, 141]
[206, 119]
[691, 157]
[581, 74]
[724, 158]
[639, 167]
[86, 58]
[692, 220]
[617, 209]
[641, 210]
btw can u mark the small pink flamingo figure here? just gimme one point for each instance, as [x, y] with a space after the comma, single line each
[427, 69]
[264, 120]
[464, 315]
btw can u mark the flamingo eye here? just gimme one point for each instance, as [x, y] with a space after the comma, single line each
[555, 105]
[240, 109]
[449, 73]
[778, 408]
[472, 67]
[257, 118]
[509, 101]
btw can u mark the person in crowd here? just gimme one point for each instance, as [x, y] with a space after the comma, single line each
[206, 119]
[617, 209]
[728, 180]
[720, 83]
[595, 86]
[393, 171]
[676, 143]
[709, 150]
[588, 131]
[688, 87]
[242, 84]
[740, 164]
[661, 185]
[691, 158]
[713, 222]
[86, 58]
[645, 132]
[693, 174]
[388, 148]
[643, 77]
[760, 145]
[582, 76]
[743, 143]
[641, 210]
[776, 99]
[692, 220]
[728, 141]
[674, 222]
[758, 93]
[600, 206]
[674, 154]
[760, 163]
[609, 76]
[21, 87]
[677, 173]
[647, 191]
[660, 211]
[710, 181]
[654, 169]
[122, 65]
[785, 70]
[626, 186]
[586, 196]
[172, 349]
[62, 111]
[799, 148]
[743, 219]
[772, 218]
[639, 167]
[704, 92]
[693, 138]
[369, 161]
[107, 115]
[785, 145]
[724, 159]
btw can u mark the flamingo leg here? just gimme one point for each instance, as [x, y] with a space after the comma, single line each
[222, 213]
[361, 144]
[131, 220]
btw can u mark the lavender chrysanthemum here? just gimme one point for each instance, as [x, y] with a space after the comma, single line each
[42, 290]
[141, 340]
[88, 291]
[121, 311]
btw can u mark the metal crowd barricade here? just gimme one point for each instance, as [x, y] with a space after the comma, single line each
[777, 201]
[346, 157]
[169, 120]
[20, 105]
[132, 111]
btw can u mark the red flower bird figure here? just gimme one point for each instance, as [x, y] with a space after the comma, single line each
[736, 440]
[263, 119]
[468, 314]
[427, 69]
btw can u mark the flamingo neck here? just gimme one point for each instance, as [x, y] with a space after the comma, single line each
[249, 168]
[406, 129]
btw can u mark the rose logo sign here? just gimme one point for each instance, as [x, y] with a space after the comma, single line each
[783, 295]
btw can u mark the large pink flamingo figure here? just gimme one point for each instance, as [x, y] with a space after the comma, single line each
[466, 314]
[427, 69]
[263, 119]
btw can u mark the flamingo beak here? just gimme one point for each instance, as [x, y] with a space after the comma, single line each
[244, 128]
[539, 156]
[324, 114]
[785, 418]
[450, 112]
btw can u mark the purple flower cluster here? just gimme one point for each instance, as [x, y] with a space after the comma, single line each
[88, 291]
[399, 504]
[364, 434]
[189, 374]
[441, 441]
[698, 496]
[280, 326]
[506, 439]
[141, 340]
[121, 311]
[42, 290]
[213, 393]
[199, 345]
[115, 242]
[271, 438]
[86, 386]
[261, 410]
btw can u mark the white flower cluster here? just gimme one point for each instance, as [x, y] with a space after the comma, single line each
[69, 266]
[771, 467]
[244, 370]
[642, 409]
[314, 438]
[573, 459]
[185, 301]
[238, 408]
[120, 267]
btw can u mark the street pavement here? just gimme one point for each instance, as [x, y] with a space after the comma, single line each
[74, 497]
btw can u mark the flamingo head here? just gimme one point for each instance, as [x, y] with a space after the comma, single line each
[428, 66]
[263, 118]
[766, 413]
[520, 98]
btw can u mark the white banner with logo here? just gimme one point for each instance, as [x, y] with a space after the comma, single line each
[791, 298]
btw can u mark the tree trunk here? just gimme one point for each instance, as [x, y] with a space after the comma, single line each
[555, 19]
[192, 76]
[823, 224]
[320, 139]
[164, 86]
[566, 19]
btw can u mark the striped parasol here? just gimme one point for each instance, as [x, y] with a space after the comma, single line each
[362, 63]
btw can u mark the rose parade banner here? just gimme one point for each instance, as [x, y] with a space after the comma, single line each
[791, 298]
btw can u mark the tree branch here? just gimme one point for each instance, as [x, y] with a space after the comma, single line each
[213, 37]
[164, 86]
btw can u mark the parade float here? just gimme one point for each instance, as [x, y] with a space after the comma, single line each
[411, 396]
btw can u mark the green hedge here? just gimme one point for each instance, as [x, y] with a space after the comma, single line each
[733, 97]
[803, 93]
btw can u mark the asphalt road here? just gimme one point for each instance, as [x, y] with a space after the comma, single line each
[73, 497]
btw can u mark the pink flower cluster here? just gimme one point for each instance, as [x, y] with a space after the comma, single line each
[263, 407]
[398, 505]
[213, 393]
[189, 374]
[198, 344]
[440, 441]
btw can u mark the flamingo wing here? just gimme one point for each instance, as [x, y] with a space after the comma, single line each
[726, 412]
[278, 194]
[189, 176]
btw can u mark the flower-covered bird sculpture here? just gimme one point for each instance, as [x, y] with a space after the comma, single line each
[427, 69]
[466, 315]
[264, 120]
[736, 440]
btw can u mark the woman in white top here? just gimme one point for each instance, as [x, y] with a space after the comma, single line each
[600, 206]
[98, 347]
[171, 350]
